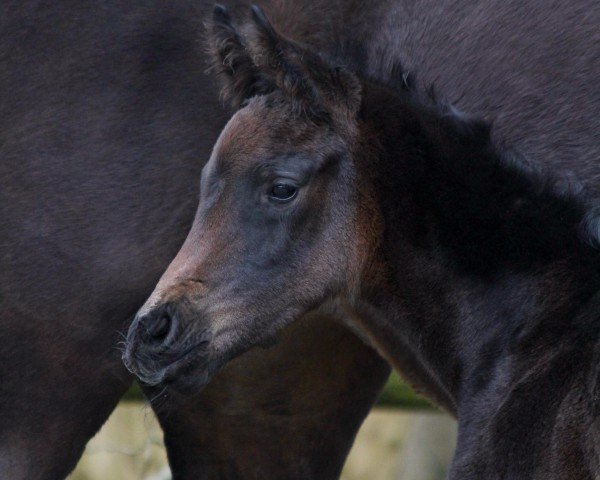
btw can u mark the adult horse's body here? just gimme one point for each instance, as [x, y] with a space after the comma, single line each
[338, 186]
[107, 119]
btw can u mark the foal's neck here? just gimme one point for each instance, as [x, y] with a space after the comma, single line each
[482, 255]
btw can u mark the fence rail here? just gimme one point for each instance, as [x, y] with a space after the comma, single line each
[396, 394]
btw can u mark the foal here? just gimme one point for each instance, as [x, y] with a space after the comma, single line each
[471, 273]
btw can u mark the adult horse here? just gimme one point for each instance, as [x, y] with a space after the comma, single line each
[106, 121]
[335, 187]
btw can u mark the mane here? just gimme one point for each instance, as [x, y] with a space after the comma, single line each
[578, 218]
[524, 216]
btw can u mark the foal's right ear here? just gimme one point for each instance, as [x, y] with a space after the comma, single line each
[239, 76]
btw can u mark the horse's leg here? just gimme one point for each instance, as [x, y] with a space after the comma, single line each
[58, 384]
[288, 412]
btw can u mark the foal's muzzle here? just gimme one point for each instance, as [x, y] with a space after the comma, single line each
[155, 346]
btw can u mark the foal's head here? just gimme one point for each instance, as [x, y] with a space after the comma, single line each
[277, 229]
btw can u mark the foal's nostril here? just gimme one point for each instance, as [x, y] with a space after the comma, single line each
[159, 330]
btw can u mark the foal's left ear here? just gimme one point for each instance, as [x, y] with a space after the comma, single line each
[314, 85]
[230, 60]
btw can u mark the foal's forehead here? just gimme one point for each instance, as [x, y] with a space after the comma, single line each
[247, 133]
[260, 131]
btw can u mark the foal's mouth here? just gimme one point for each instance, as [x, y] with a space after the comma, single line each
[165, 367]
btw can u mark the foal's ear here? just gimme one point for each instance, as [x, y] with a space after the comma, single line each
[231, 62]
[312, 84]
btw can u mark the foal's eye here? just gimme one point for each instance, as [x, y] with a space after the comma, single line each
[283, 192]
